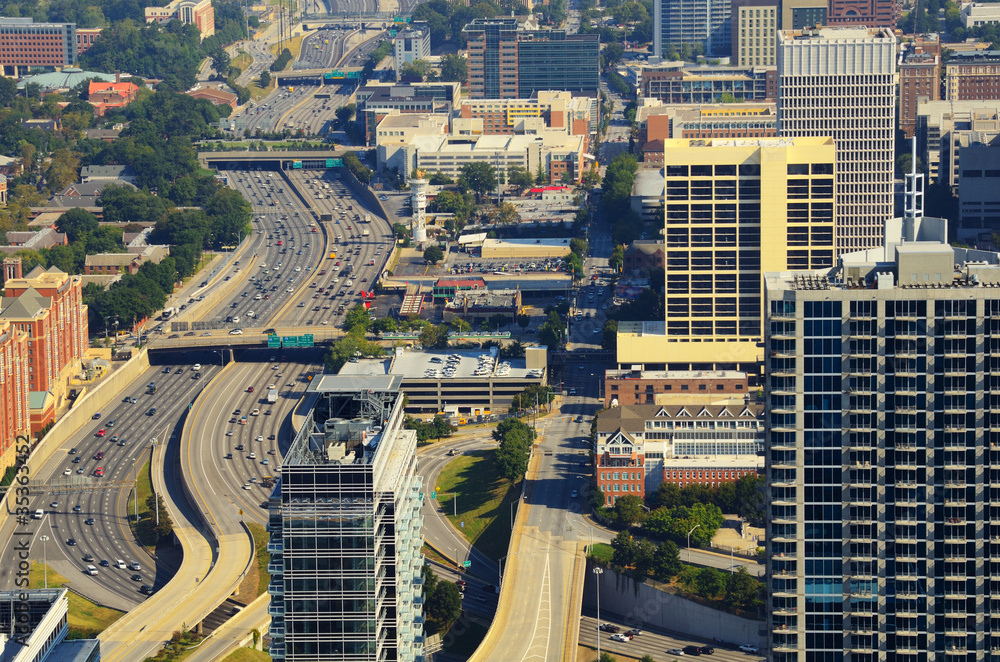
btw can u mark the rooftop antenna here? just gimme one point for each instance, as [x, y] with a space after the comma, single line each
[914, 203]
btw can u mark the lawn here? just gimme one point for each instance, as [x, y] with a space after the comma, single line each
[144, 526]
[294, 45]
[602, 552]
[484, 500]
[257, 92]
[242, 60]
[86, 620]
[260, 538]
[247, 655]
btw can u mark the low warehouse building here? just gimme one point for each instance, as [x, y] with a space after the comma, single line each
[463, 383]
[525, 249]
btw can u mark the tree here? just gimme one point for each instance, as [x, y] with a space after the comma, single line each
[512, 455]
[523, 321]
[443, 607]
[434, 337]
[607, 657]
[530, 396]
[346, 113]
[519, 177]
[455, 68]
[441, 179]
[357, 320]
[612, 54]
[459, 325]
[710, 582]
[265, 78]
[609, 335]
[617, 258]
[418, 69]
[742, 590]
[507, 214]
[574, 265]
[628, 510]
[221, 61]
[624, 550]
[442, 428]
[479, 177]
[384, 325]
[578, 246]
[77, 223]
[666, 561]
[433, 254]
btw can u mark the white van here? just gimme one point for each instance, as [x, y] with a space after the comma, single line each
[120, 564]
[39, 514]
[91, 570]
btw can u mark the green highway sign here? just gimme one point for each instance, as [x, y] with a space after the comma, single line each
[402, 19]
[466, 564]
[306, 340]
[354, 74]
[392, 33]
[334, 163]
[434, 495]
[290, 341]
[273, 342]
[296, 164]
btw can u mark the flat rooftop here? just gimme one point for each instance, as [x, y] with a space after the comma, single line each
[440, 364]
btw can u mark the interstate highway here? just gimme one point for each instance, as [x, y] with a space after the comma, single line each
[110, 536]
[297, 308]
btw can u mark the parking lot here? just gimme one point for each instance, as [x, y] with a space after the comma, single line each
[463, 263]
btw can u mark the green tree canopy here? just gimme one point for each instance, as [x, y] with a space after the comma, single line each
[479, 177]
[77, 222]
[433, 254]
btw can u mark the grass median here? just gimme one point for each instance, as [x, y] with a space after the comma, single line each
[146, 522]
[86, 619]
[483, 510]
[260, 538]
[247, 655]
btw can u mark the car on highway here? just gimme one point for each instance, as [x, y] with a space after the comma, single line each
[635, 632]
[621, 637]
[99, 472]
[89, 521]
[96, 416]
[104, 563]
[136, 578]
[609, 627]
[68, 472]
[250, 389]
[101, 432]
[71, 542]
[748, 648]
[77, 508]
[145, 589]
[76, 460]
[675, 651]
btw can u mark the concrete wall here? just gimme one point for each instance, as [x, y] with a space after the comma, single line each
[71, 422]
[645, 606]
[366, 194]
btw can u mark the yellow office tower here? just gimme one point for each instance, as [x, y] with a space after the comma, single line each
[734, 210]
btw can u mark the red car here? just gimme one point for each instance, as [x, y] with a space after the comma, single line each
[99, 456]
[99, 472]
[250, 389]
[279, 242]
[101, 432]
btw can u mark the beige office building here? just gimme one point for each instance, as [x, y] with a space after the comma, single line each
[754, 31]
[841, 82]
[734, 209]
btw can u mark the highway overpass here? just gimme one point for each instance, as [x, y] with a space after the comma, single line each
[283, 160]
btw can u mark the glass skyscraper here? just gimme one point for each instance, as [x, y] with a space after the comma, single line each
[883, 442]
[345, 530]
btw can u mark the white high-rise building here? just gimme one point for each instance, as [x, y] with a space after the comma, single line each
[841, 82]
[346, 530]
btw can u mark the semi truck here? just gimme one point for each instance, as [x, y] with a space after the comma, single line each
[168, 313]
[272, 396]
[326, 217]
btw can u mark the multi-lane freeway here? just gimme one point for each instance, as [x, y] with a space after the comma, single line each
[262, 59]
[95, 518]
[323, 48]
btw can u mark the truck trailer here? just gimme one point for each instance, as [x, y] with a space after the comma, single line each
[272, 396]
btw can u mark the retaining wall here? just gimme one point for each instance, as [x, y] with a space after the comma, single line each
[642, 605]
[363, 192]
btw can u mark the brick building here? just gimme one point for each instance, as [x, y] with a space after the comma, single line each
[26, 45]
[867, 13]
[663, 387]
[47, 305]
[198, 13]
[104, 96]
[216, 97]
[639, 447]
[973, 76]
[14, 390]
[643, 255]
[919, 79]
[708, 84]
[85, 38]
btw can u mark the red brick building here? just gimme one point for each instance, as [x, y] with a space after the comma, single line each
[869, 13]
[919, 79]
[15, 390]
[48, 307]
[639, 447]
[647, 387]
[973, 76]
[643, 255]
[110, 95]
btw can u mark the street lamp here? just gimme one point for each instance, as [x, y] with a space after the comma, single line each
[689, 541]
[598, 571]
[45, 559]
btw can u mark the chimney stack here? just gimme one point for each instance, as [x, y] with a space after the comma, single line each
[11, 268]
[118, 76]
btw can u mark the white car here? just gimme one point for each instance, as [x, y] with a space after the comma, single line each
[196, 367]
[747, 648]
[620, 637]
[260, 437]
[236, 332]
